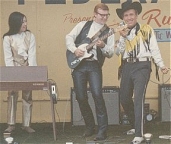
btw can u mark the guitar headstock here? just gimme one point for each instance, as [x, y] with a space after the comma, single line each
[120, 28]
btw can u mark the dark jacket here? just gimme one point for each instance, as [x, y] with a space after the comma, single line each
[83, 35]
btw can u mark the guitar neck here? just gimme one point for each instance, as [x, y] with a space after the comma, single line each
[101, 38]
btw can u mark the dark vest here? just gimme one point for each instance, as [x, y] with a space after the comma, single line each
[82, 36]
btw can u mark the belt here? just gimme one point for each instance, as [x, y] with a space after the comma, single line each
[133, 60]
[90, 59]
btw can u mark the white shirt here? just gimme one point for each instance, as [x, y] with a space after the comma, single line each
[17, 41]
[153, 51]
[107, 51]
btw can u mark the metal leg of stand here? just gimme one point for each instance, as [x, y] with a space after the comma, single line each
[53, 118]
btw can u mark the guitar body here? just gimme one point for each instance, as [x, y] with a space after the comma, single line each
[87, 45]
[74, 61]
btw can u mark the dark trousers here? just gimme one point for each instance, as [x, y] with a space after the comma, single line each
[134, 80]
[90, 71]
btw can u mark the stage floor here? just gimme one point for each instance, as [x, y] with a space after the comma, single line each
[68, 133]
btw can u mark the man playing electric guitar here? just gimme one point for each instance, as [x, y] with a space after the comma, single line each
[87, 45]
[90, 68]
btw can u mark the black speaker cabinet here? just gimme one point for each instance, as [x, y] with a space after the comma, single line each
[111, 97]
[165, 102]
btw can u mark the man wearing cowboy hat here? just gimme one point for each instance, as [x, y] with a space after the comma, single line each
[136, 48]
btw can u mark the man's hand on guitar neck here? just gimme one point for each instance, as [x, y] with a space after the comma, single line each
[100, 44]
[79, 53]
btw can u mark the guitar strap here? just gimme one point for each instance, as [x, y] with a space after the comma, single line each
[98, 33]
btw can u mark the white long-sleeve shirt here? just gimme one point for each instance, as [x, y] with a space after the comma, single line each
[17, 41]
[107, 51]
[143, 49]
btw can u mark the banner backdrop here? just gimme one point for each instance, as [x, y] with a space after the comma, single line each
[51, 20]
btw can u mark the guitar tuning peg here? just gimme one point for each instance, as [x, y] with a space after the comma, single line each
[122, 23]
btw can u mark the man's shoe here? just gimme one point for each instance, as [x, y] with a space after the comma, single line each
[137, 140]
[130, 132]
[100, 137]
[88, 132]
[28, 129]
[10, 128]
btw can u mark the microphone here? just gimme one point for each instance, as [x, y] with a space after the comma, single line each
[126, 30]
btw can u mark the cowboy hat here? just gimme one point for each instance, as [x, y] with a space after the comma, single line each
[128, 5]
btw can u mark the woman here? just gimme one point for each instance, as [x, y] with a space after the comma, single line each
[19, 50]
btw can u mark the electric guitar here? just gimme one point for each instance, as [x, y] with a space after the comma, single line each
[73, 61]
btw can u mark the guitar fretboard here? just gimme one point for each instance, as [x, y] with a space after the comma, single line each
[101, 38]
[106, 35]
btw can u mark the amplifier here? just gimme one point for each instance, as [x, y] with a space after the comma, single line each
[111, 97]
[165, 102]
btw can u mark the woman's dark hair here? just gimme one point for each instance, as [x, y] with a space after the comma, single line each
[15, 21]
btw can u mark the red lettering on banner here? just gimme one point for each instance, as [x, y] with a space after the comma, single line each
[153, 15]
[69, 18]
[167, 21]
